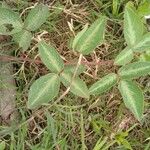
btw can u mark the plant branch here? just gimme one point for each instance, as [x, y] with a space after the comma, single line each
[6, 58]
[68, 89]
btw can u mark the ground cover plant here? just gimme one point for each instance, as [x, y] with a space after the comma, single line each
[104, 69]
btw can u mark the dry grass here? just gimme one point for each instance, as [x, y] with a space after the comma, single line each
[73, 123]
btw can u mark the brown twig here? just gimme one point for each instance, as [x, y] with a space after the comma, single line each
[68, 88]
[6, 58]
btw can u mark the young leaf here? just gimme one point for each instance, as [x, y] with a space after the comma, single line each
[115, 7]
[23, 38]
[125, 143]
[36, 17]
[133, 26]
[124, 57]
[88, 40]
[72, 68]
[78, 36]
[2, 145]
[3, 29]
[43, 90]
[132, 97]
[103, 84]
[50, 57]
[143, 44]
[144, 8]
[134, 70]
[78, 87]
[145, 56]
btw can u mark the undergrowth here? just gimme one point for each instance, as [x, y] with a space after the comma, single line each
[75, 123]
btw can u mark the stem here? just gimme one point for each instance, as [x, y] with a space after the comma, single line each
[68, 89]
[6, 58]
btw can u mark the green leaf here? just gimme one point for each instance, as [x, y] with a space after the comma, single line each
[11, 18]
[72, 68]
[104, 84]
[43, 90]
[132, 97]
[3, 29]
[78, 36]
[50, 57]
[23, 38]
[87, 41]
[124, 57]
[144, 8]
[36, 17]
[143, 44]
[2, 145]
[125, 143]
[7, 16]
[145, 56]
[134, 70]
[78, 87]
[115, 7]
[133, 26]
